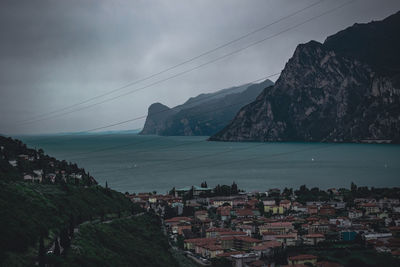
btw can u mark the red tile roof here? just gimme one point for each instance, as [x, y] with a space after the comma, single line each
[314, 236]
[248, 239]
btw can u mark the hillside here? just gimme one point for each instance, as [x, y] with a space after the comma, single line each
[204, 115]
[344, 90]
[42, 199]
[125, 242]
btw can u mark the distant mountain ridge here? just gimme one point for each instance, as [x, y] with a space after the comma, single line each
[344, 90]
[204, 114]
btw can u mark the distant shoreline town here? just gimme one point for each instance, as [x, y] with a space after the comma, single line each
[210, 226]
[225, 226]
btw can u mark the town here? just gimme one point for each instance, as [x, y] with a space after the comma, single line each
[226, 226]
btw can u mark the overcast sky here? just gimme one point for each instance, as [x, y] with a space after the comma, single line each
[54, 54]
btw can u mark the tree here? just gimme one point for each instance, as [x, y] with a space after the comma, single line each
[64, 238]
[353, 187]
[260, 207]
[172, 192]
[234, 189]
[41, 251]
[106, 185]
[71, 225]
[179, 241]
[56, 247]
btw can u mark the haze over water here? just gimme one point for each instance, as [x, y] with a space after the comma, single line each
[147, 163]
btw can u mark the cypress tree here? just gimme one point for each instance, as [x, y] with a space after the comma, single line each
[56, 248]
[41, 251]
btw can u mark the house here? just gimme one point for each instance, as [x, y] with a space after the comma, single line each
[355, 214]
[312, 210]
[241, 260]
[274, 209]
[218, 202]
[286, 204]
[276, 227]
[302, 259]
[219, 232]
[296, 206]
[340, 222]
[337, 204]
[38, 175]
[28, 177]
[370, 208]
[178, 229]
[177, 220]
[248, 229]
[244, 213]
[313, 239]
[224, 212]
[13, 163]
[209, 250]
[326, 210]
[267, 248]
[374, 236]
[319, 227]
[190, 244]
[270, 202]
[245, 242]
[287, 239]
[201, 215]
[196, 190]
[348, 235]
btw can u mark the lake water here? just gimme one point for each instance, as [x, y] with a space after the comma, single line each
[134, 163]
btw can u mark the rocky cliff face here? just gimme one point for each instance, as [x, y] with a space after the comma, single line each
[330, 92]
[202, 115]
[156, 117]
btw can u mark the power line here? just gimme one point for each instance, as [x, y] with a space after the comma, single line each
[149, 140]
[177, 65]
[123, 122]
[210, 96]
[204, 64]
[229, 54]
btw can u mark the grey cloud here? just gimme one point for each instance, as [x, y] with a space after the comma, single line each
[57, 53]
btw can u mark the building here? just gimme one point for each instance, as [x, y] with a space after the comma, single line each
[267, 248]
[287, 239]
[355, 214]
[312, 210]
[201, 215]
[276, 227]
[197, 190]
[313, 239]
[370, 208]
[245, 242]
[177, 220]
[274, 209]
[286, 204]
[241, 260]
[326, 210]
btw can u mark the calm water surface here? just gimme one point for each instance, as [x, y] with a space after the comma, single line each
[136, 163]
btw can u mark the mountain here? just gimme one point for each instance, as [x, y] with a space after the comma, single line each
[344, 90]
[204, 114]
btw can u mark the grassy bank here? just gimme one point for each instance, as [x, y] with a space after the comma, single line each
[136, 241]
[30, 210]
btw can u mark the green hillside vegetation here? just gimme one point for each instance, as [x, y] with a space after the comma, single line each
[136, 241]
[29, 210]
[35, 214]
